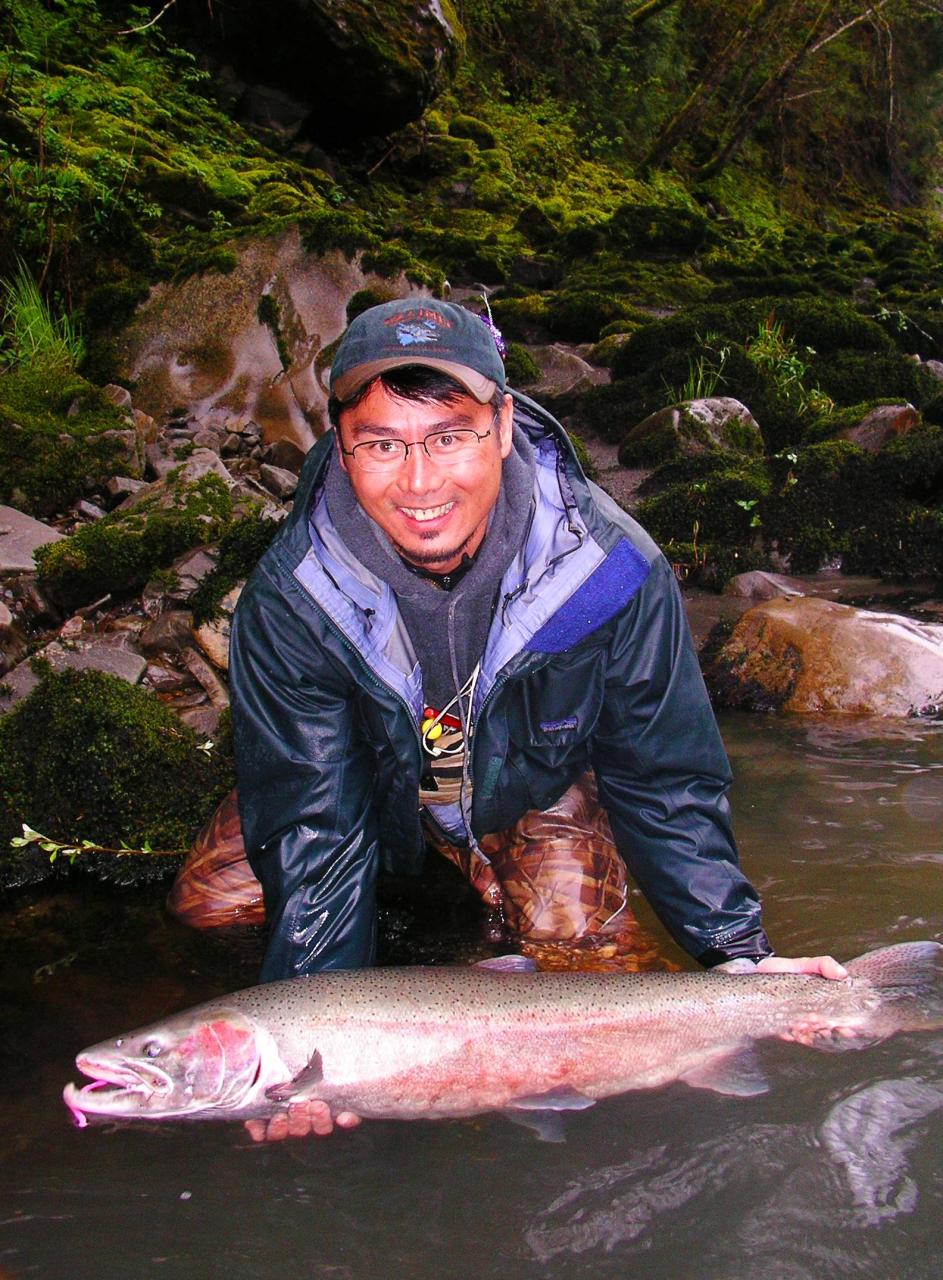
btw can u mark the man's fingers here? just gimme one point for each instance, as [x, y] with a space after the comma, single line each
[347, 1120]
[824, 966]
[299, 1120]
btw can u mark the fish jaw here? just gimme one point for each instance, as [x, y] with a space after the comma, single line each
[185, 1067]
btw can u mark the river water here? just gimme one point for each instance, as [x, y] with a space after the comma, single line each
[836, 1171]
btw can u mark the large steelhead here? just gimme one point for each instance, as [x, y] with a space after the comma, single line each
[409, 1043]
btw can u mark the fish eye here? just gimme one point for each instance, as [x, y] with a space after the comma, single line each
[153, 1049]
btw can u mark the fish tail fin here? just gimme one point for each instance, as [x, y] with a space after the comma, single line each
[908, 975]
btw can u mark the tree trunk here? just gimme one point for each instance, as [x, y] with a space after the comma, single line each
[687, 118]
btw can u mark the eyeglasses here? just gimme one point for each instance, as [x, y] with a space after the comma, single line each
[445, 448]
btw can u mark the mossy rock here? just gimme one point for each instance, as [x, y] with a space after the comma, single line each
[604, 351]
[850, 377]
[655, 228]
[474, 130]
[240, 549]
[823, 325]
[723, 508]
[522, 319]
[818, 494]
[521, 368]
[119, 553]
[364, 299]
[579, 316]
[89, 756]
[911, 465]
[898, 539]
[54, 438]
[692, 429]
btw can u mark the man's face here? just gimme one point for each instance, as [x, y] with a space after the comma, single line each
[433, 514]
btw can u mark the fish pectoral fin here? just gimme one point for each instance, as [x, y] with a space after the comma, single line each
[560, 1098]
[548, 1125]
[305, 1084]
[737, 1073]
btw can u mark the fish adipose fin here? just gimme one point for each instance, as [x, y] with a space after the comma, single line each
[738, 1074]
[304, 1085]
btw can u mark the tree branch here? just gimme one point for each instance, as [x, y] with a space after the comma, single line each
[130, 31]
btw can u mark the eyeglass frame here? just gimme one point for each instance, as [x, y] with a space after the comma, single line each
[414, 444]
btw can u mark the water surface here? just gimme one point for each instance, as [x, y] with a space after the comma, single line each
[835, 1171]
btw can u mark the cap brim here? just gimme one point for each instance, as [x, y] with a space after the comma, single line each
[349, 383]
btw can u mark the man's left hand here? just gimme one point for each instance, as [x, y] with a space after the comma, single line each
[824, 966]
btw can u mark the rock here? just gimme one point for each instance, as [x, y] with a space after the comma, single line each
[164, 679]
[282, 483]
[881, 424]
[231, 445]
[206, 438]
[145, 426]
[204, 721]
[13, 643]
[130, 448]
[363, 70]
[191, 568]
[94, 654]
[934, 367]
[760, 585]
[159, 462]
[206, 677]
[90, 510]
[119, 396]
[198, 344]
[692, 429]
[20, 536]
[167, 634]
[811, 655]
[213, 637]
[123, 486]
[563, 372]
[287, 455]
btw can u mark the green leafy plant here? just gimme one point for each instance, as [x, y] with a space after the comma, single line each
[705, 371]
[55, 848]
[774, 352]
[30, 334]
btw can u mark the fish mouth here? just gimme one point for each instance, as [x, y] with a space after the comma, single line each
[118, 1088]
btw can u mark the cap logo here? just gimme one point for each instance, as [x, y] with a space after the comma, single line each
[418, 325]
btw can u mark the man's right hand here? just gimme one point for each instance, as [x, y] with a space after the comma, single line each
[299, 1121]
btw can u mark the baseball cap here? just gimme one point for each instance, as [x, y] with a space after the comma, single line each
[422, 331]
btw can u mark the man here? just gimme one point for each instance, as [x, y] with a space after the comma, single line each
[455, 625]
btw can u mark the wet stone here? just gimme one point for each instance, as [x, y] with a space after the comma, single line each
[20, 536]
[76, 655]
[119, 396]
[123, 486]
[167, 634]
[278, 481]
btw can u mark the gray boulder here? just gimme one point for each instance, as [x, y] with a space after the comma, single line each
[692, 429]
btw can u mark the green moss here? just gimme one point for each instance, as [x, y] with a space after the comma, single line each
[721, 508]
[911, 465]
[240, 549]
[121, 552]
[474, 129]
[364, 299]
[658, 228]
[54, 441]
[582, 454]
[577, 316]
[520, 366]
[817, 495]
[852, 376]
[89, 756]
[267, 313]
[899, 539]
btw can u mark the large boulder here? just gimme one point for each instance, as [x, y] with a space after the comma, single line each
[363, 70]
[690, 430]
[243, 347]
[809, 655]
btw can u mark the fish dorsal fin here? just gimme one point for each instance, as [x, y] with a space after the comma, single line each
[303, 1086]
[508, 964]
[737, 1073]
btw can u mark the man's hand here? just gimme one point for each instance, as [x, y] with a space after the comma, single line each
[300, 1120]
[824, 966]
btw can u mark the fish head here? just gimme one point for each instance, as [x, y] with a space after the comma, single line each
[197, 1061]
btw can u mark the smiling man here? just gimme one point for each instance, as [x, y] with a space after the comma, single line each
[455, 634]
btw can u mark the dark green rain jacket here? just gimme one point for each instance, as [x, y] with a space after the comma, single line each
[588, 665]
